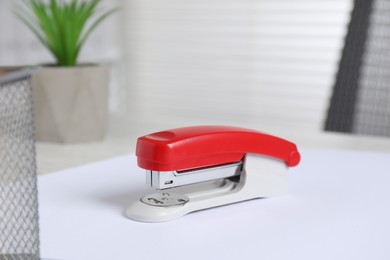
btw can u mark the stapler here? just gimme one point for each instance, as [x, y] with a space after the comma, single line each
[202, 167]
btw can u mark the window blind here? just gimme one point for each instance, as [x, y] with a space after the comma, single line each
[261, 64]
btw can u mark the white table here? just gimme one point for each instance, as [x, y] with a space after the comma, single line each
[338, 207]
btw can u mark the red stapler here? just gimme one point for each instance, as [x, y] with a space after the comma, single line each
[207, 166]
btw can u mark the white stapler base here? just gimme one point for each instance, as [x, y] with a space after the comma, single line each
[262, 177]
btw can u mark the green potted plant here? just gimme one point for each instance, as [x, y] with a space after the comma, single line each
[70, 99]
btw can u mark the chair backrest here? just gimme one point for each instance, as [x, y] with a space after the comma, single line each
[19, 229]
[360, 102]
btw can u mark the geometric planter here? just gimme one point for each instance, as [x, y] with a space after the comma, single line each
[70, 103]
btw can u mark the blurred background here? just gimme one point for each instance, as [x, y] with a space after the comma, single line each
[268, 65]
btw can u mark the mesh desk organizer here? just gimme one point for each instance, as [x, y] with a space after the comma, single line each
[19, 230]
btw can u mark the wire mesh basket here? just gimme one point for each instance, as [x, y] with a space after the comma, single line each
[19, 229]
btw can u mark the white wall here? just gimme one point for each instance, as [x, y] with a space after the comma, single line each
[267, 64]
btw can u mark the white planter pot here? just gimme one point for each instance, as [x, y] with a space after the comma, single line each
[70, 103]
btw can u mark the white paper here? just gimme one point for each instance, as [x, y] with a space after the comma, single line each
[338, 207]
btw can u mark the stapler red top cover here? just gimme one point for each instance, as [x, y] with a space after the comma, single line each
[204, 146]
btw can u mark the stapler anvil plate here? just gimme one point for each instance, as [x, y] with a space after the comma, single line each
[207, 166]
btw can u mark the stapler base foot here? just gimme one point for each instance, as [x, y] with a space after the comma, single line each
[261, 177]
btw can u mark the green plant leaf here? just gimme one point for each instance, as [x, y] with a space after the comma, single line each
[60, 25]
[93, 27]
[30, 25]
[47, 26]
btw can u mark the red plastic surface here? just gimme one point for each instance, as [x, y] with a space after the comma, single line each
[202, 146]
